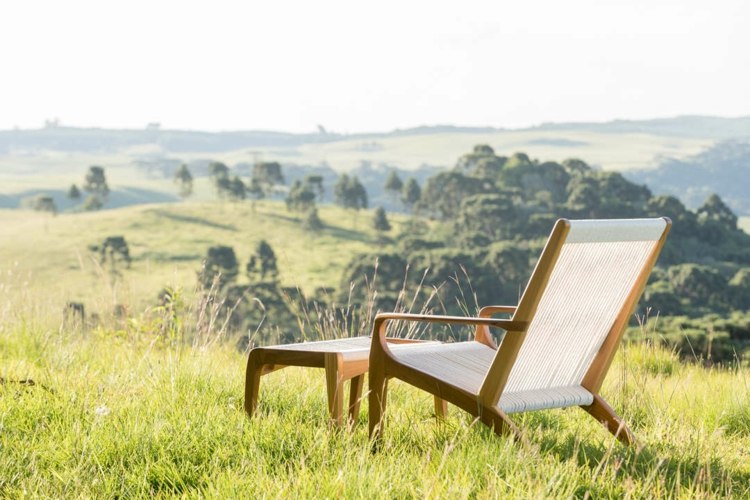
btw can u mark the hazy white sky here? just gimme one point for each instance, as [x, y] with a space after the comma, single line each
[369, 66]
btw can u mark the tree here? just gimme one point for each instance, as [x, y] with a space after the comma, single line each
[340, 194]
[619, 197]
[255, 190]
[74, 194]
[684, 222]
[576, 167]
[715, 210]
[113, 251]
[220, 265]
[350, 193]
[494, 215]
[443, 193]
[262, 263]
[739, 287]
[301, 197]
[583, 197]
[315, 183]
[410, 193]
[236, 189]
[312, 222]
[267, 175]
[184, 180]
[43, 203]
[482, 163]
[219, 174]
[380, 221]
[545, 182]
[92, 203]
[393, 184]
[96, 183]
[217, 169]
[701, 284]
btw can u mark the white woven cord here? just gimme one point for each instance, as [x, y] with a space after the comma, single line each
[598, 267]
[588, 287]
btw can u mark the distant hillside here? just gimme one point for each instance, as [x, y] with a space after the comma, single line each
[108, 140]
[60, 138]
[121, 197]
[723, 169]
[709, 127]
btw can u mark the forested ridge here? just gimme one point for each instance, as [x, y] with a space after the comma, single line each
[475, 233]
[471, 237]
[724, 168]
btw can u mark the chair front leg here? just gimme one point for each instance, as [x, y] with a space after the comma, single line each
[376, 400]
[252, 382]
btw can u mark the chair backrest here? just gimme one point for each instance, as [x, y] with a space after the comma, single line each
[578, 302]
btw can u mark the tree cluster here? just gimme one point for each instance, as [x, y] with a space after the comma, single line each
[95, 183]
[350, 193]
[493, 214]
[259, 305]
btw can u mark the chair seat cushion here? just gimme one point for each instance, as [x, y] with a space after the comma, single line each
[461, 364]
[540, 399]
[464, 365]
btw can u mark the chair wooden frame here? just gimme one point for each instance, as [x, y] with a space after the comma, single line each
[484, 404]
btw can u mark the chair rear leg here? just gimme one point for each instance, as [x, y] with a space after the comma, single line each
[499, 423]
[604, 413]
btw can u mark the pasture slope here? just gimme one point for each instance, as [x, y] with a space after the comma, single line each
[129, 413]
[48, 256]
[137, 409]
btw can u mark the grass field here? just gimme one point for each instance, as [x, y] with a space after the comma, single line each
[50, 257]
[133, 408]
[126, 413]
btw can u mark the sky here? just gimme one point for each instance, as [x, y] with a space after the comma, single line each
[356, 66]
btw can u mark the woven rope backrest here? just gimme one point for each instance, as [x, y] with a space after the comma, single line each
[598, 267]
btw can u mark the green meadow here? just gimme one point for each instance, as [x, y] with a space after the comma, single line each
[124, 412]
[50, 256]
[137, 406]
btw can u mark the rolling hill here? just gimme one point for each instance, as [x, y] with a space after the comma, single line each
[48, 256]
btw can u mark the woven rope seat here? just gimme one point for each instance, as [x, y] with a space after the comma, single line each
[350, 344]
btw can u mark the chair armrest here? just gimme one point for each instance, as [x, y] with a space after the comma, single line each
[505, 324]
[488, 311]
[378, 333]
[483, 333]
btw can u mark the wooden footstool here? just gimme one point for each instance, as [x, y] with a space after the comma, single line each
[343, 359]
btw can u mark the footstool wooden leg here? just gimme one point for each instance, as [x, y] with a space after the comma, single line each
[441, 408]
[252, 382]
[355, 397]
[335, 386]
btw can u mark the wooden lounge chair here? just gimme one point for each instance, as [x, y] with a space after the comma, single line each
[559, 342]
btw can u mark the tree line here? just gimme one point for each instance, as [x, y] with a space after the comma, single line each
[491, 215]
[474, 235]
